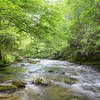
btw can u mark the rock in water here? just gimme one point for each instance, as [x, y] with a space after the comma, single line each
[19, 84]
[33, 61]
[22, 64]
[19, 58]
[41, 81]
[70, 80]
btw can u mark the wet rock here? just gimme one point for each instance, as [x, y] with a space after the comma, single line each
[70, 80]
[31, 71]
[3, 80]
[62, 72]
[41, 81]
[8, 73]
[37, 60]
[22, 64]
[50, 71]
[19, 58]
[34, 61]
[19, 84]
[4, 88]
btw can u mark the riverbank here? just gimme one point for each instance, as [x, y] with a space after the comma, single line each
[90, 60]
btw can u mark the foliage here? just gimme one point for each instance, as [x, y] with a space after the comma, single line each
[83, 29]
[42, 28]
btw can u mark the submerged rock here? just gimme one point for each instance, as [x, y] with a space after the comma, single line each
[52, 69]
[41, 81]
[70, 80]
[4, 88]
[62, 72]
[32, 71]
[4, 95]
[19, 84]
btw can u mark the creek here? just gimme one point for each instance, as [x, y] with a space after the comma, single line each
[69, 81]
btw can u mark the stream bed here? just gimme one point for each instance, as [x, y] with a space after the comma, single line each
[68, 81]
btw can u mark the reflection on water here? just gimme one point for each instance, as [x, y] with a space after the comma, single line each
[68, 81]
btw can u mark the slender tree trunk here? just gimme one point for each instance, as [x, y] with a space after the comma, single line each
[0, 20]
[0, 55]
[0, 29]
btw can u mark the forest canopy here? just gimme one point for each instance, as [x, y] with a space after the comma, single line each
[63, 29]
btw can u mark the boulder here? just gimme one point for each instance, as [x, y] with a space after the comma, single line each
[22, 64]
[19, 84]
[41, 81]
[19, 58]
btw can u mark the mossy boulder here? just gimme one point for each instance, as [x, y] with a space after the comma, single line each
[19, 84]
[4, 88]
[41, 81]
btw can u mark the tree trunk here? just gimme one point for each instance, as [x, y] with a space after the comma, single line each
[0, 55]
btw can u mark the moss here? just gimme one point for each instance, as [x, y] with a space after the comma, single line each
[41, 81]
[90, 60]
[11, 70]
[19, 84]
[4, 88]
[2, 64]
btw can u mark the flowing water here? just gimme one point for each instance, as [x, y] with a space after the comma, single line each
[68, 81]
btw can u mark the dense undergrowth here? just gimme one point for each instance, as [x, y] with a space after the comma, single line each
[83, 33]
